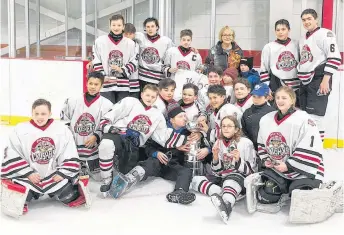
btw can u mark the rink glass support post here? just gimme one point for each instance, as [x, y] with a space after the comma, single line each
[212, 23]
[151, 8]
[38, 27]
[83, 30]
[132, 17]
[162, 19]
[66, 27]
[95, 19]
[12, 28]
[27, 28]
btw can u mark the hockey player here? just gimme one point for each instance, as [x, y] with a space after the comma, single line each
[82, 114]
[189, 101]
[181, 57]
[114, 55]
[166, 93]
[319, 60]
[242, 89]
[233, 159]
[217, 97]
[153, 49]
[251, 117]
[164, 162]
[126, 127]
[41, 158]
[290, 149]
[230, 75]
[279, 60]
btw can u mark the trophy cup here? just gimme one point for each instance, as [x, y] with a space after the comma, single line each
[228, 161]
[192, 161]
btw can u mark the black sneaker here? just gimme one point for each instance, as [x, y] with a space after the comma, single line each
[221, 207]
[180, 196]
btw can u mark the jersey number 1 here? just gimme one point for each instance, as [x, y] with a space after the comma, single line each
[312, 140]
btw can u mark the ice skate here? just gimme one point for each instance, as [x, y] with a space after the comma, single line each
[180, 196]
[106, 185]
[222, 208]
[120, 184]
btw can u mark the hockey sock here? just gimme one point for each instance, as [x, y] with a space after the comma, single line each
[231, 189]
[203, 185]
[106, 152]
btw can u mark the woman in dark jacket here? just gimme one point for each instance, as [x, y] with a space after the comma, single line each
[226, 53]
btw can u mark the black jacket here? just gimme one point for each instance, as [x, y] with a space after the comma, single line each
[250, 121]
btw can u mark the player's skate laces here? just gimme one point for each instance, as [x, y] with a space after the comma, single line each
[180, 196]
[221, 207]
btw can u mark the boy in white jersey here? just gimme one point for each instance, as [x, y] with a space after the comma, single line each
[242, 89]
[116, 58]
[319, 60]
[181, 57]
[40, 159]
[189, 101]
[279, 60]
[82, 114]
[166, 93]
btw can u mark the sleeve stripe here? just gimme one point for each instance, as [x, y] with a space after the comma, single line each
[170, 144]
[334, 58]
[309, 152]
[308, 158]
[16, 165]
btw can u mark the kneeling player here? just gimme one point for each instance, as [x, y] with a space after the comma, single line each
[126, 127]
[233, 159]
[41, 158]
[82, 114]
[164, 162]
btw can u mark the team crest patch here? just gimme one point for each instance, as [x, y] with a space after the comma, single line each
[43, 150]
[286, 61]
[311, 122]
[140, 123]
[183, 65]
[85, 125]
[150, 55]
[115, 58]
[277, 147]
[306, 55]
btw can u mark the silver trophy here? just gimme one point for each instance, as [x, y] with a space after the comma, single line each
[228, 160]
[192, 161]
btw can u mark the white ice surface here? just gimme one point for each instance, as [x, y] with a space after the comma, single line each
[145, 211]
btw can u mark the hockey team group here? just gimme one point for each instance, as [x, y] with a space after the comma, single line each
[219, 128]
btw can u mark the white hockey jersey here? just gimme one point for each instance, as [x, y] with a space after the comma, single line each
[83, 119]
[176, 58]
[246, 104]
[280, 60]
[134, 85]
[227, 165]
[48, 151]
[318, 48]
[152, 55]
[131, 113]
[161, 105]
[191, 110]
[183, 77]
[107, 52]
[216, 117]
[294, 140]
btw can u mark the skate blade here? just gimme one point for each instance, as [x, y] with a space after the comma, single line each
[224, 216]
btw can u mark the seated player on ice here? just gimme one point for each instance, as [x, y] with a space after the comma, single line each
[82, 114]
[166, 92]
[291, 151]
[234, 158]
[41, 159]
[126, 127]
[165, 162]
[189, 101]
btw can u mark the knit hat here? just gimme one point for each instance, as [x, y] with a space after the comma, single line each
[173, 109]
[231, 72]
[247, 61]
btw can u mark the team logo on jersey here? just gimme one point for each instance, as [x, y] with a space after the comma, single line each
[43, 150]
[150, 55]
[140, 123]
[306, 55]
[286, 61]
[115, 58]
[276, 146]
[85, 125]
[183, 65]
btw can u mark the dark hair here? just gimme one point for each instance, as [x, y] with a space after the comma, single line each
[166, 82]
[191, 86]
[129, 28]
[116, 17]
[236, 135]
[151, 87]
[311, 12]
[186, 32]
[151, 19]
[215, 69]
[282, 22]
[40, 102]
[97, 75]
[216, 89]
[242, 81]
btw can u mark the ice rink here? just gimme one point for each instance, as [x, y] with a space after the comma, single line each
[145, 211]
